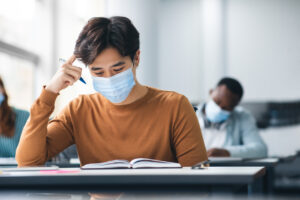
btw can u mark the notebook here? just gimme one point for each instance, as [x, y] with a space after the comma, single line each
[133, 164]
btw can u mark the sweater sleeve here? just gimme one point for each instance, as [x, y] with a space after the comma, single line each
[41, 139]
[187, 136]
[252, 144]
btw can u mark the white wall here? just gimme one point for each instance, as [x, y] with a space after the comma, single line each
[264, 48]
[144, 16]
[70, 17]
[214, 43]
[42, 44]
[187, 46]
[256, 41]
[171, 48]
[180, 47]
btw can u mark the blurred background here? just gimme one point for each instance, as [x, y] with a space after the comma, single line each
[186, 46]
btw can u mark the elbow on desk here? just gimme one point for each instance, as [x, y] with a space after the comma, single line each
[261, 150]
[26, 159]
[264, 151]
[250, 151]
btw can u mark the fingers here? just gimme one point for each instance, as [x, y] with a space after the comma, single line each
[71, 59]
[66, 75]
[73, 68]
[215, 152]
[69, 80]
[209, 153]
[73, 73]
[70, 73]
[69, 63]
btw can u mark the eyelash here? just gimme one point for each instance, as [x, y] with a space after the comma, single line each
[120, 69]
[116, 70]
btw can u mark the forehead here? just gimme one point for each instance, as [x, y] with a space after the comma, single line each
[222, 92]
[108, 56]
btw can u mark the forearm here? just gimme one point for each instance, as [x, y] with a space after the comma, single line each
[32, 149]
[248, 151]
[252, 145]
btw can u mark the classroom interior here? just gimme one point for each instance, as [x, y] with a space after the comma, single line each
[186, 46]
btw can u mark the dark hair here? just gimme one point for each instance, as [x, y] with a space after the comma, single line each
[7, 116]
[233, 85]
[100, 33]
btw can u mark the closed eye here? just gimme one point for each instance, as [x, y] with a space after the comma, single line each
[119, 69]
[99, 73]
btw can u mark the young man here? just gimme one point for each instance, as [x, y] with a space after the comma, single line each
[123, 120]
[229, 130]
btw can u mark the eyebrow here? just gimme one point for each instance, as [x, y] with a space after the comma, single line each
[114, 65]
[118, 64]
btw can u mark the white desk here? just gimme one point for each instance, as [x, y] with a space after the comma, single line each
[8, 162]
[212, 177]
[269, 163]
[229, 161]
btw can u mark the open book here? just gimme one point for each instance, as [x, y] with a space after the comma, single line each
[134, 164]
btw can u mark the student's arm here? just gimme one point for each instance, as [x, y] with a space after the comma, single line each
[187, 136]
[253, 146]
[41, 139]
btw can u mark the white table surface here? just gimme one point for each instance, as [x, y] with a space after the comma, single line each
[229, 171]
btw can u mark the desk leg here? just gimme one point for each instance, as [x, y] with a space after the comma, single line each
[256, 188]
[269, 180]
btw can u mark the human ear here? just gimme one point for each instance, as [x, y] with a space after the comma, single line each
[136, 59]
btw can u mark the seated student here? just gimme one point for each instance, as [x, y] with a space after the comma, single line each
[12, 121]
[228, 129]
[123, 120]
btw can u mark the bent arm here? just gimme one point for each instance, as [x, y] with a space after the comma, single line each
[187, 136]
[41, 139]
[252, 144]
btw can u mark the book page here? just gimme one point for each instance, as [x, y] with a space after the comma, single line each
[152, 163]
[108, 165]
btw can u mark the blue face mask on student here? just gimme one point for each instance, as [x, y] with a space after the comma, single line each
[2, 98]
[214, 113]
[116, 88]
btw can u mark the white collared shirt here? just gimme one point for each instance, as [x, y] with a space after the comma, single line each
[213, 137]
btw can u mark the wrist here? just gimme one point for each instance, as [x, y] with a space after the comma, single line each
[51, 89]
[48, 96]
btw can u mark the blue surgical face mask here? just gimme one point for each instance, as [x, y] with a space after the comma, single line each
[116, 88]
[2, 98]
[214, 113]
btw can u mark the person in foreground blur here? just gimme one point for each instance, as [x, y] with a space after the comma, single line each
[123, 119]
[12, 121]
[228, 129]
